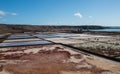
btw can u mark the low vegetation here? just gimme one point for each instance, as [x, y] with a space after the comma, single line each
[12, 28]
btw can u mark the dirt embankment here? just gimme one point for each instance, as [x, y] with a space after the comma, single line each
[52, 59]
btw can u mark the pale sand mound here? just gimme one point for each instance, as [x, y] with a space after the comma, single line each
[104, 64]
[4, 72]
[83, 72]
[72, 72]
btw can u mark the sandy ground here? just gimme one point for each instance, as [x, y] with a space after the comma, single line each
[106, 45]
[80, 38]
[105, 64]
[58, 59]
[65, 40]
[54, 59]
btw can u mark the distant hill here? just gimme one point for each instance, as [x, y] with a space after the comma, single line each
[13, 28]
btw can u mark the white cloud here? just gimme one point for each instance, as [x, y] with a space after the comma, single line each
[13, 13]
[78, 15]
[90, 16]
[2, 13]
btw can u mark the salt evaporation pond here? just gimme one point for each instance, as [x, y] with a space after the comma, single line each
[64, 34]
[21, 36]
[55, 35]
[45, 36]
[1, 35]
[9, 44]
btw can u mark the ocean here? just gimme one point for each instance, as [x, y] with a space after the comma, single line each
[110, 29]
[107, 30]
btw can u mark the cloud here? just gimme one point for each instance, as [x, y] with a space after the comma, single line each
[78, 15]
[90, 16]
[2, 13]
[13, 13]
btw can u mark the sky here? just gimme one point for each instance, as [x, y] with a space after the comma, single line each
[60, 12]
